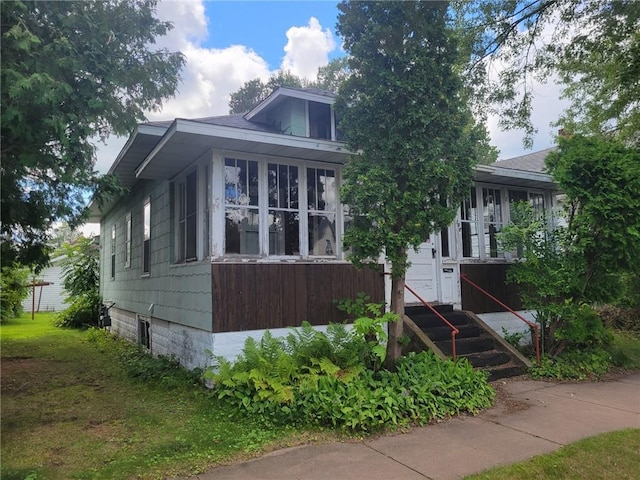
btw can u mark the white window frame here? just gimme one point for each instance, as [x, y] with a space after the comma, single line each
[112, 253]
[506, 218]
[218, 208]
[127, 240]
[146, 236]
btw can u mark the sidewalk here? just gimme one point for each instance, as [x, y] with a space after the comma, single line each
[529, 418]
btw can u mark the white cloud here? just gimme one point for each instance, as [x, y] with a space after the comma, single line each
[307, 49]
[211, 75]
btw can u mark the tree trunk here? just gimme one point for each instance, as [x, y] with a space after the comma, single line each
[394, 349]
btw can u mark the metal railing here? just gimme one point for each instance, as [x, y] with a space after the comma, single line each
[454, 330]
[532, 325]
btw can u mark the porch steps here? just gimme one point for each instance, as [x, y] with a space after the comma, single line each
[476, 342]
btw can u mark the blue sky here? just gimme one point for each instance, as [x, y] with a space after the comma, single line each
[262, 24]
[227, 43]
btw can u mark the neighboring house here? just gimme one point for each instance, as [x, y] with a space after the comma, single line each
[49, 295]
[233, 224]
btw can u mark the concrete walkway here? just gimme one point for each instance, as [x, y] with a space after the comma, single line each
[529, 418]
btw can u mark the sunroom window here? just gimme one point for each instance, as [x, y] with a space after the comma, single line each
[284, 213]
[280, 209]
[242, 225]
[469, 222]
[492, 216]
[322, 202]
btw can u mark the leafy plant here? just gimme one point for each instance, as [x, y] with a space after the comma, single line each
[81, 276]
[514, 339]
[574, 364]
[287, 380]
[13, 290]
[370, 323]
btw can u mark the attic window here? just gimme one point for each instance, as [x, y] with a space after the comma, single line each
[319, 120]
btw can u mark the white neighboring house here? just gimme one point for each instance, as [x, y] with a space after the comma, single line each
[47, 298]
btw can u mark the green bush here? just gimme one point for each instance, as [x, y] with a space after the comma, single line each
[13, 290]
[290, 381]
[82, 311]
[574, 364]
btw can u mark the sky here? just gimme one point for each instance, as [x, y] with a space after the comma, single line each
[227, 43]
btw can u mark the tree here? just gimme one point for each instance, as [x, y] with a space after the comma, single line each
[251, 93]
[593, 47]
[568, 269]
[81, 279]
[254, 91]
[404, 111]
[71, 71]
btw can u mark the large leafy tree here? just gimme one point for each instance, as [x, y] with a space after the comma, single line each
[330, 76]
[593, 47]
[404, 111]
[587, 260]
[71, 72]
[254, 91]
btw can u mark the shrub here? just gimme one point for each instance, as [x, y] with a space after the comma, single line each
[13, 290]
[574, 364]
[271, 379]
[82, 311]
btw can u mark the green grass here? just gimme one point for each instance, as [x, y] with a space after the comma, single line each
[625, 350]
[610, 456]
[69, 412]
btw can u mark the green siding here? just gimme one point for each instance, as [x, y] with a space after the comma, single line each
[179, 293]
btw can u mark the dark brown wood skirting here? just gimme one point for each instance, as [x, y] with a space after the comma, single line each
[252, 296]
[492, 278]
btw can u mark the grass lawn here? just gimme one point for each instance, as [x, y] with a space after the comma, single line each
[69, 411]
[610, 456]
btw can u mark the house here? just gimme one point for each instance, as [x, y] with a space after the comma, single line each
[48, 294]
[233, 224]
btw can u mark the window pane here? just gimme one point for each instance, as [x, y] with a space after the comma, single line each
[242, 233]
[146, 247]
[284, 233]
[191, 227]
[241, 182]
[321, 189]
[322, 234]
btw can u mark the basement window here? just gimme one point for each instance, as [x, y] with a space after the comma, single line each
[144, 332]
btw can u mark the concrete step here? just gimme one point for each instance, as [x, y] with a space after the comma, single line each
[444, 332]
[466, 346]
[489, 358]
[433, 321]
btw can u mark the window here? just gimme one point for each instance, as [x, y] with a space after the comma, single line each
[206, 231]
[294, 215]
[469, 222]
[322, 210]
[113, 251]
[284, 213]
[492, 216]
[187, 205]
[320, 120]
[242, 225]
[144, 332]
[146, 247]
[127, 240]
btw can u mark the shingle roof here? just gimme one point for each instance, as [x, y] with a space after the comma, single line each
[234, 120]
[531, 162]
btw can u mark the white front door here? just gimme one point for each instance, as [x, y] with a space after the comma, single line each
[422, 274]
